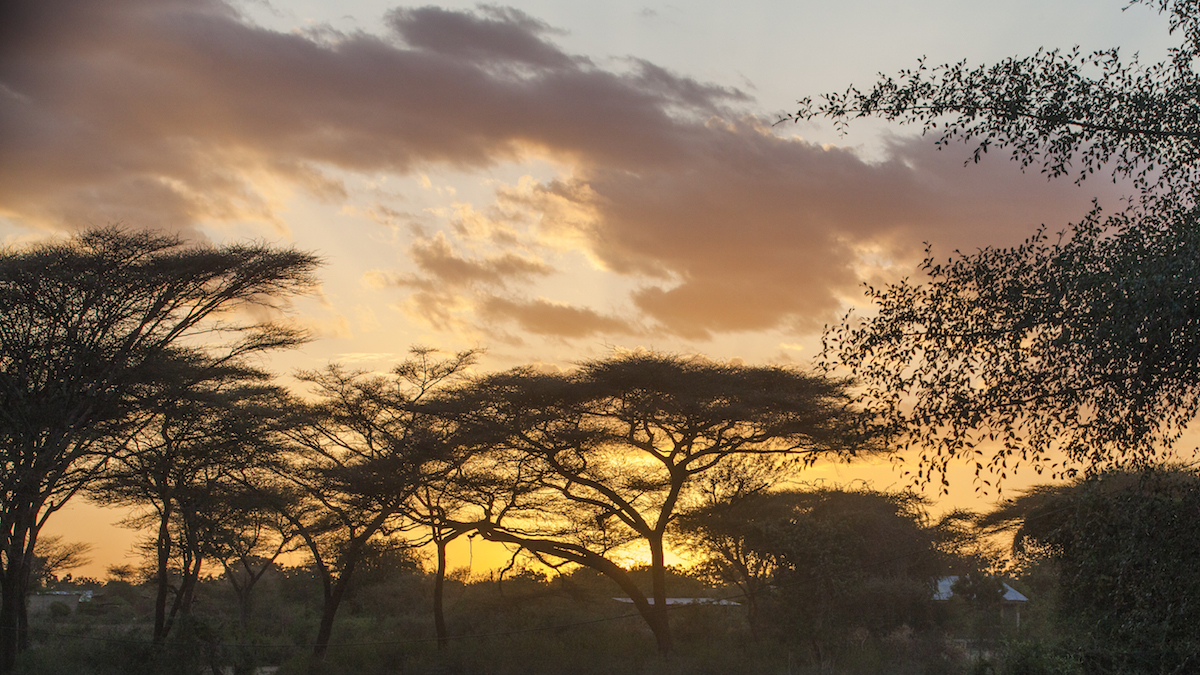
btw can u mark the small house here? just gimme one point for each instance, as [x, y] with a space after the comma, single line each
[1011, 601]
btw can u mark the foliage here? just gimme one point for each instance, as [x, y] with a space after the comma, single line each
[1085, 343]
[847, 577]
[86, 325]
[529, 624]
[844, 563]
[357, 456]
[205, 428]
[591, 464]
[727, 541]
[52, 556]
[1126, 548]
[1061, 111]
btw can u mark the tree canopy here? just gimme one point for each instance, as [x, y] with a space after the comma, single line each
[593, 463]
[1125, 548]
[87, 327]
[1079, 347]
[358, 456]
[815, 564]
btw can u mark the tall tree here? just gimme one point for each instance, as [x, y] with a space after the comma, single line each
[437, 507]
[1125, 548]
[248, 535]
[595, 464]
[84, 325]
[359, 455]
[816, 564]
[1085, 343]
[717, 529]
[206, 428]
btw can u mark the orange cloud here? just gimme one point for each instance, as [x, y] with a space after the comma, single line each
[436, 258]
[757, 231]
[542, 317]
[169, 113]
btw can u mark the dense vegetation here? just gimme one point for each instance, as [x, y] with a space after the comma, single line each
[529, 621]
[367, 477]
[129, 375]
[1072, 349]
[845, 585]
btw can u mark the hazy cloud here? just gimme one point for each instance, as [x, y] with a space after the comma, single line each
[542, 317]
[504, 34]
[436, 258]
[170, 113]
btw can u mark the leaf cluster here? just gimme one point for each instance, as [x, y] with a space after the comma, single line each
[1062, 111]
[1062, 352]
[1125, 545]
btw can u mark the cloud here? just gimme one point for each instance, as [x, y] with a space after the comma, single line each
[436, 259]
[164, 112]
[504, 34]
[175, 113]
[542, 317]
[760, 231]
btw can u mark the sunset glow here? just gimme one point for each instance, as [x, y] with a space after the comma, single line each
[546, 181]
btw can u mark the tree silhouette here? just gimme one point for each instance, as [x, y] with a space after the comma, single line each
[1125, 547]
[1083, 344]
[85, 326]
[818, 564]
[358, 456]
[594, 464]
[205, 429]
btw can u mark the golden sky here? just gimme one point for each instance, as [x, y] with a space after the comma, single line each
[546, 180]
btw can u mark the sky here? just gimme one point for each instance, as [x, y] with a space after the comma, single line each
[548, 181]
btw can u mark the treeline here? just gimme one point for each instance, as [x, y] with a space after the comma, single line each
[130, 377]
[840, 581]
[864, 604]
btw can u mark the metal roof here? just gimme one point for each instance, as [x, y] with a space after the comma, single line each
[687, 601]
[945, 590]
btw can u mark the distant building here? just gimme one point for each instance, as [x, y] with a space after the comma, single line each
[1012, 598]
[686, 601]
[39, 603]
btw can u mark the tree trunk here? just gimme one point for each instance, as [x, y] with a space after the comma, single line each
[439, 588]
[325, 629]
[182, 606]
[10, 598]
[23, 621]
[244, 606]
[333, 598]
[162, 547]
[14, 586]
[658, 581]
[753, 616]
[24, 583]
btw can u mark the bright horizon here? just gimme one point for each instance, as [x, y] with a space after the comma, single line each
[545, 180]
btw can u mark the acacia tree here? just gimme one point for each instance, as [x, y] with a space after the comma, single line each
[358, 456]
[721, 536]
[834, 560]
[85, 324]
[594, 464]
[1085, 343]
[206, 428]
[54, 556]
[1125, 548]
[248, 535]
[817, 563]
[437, 507]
